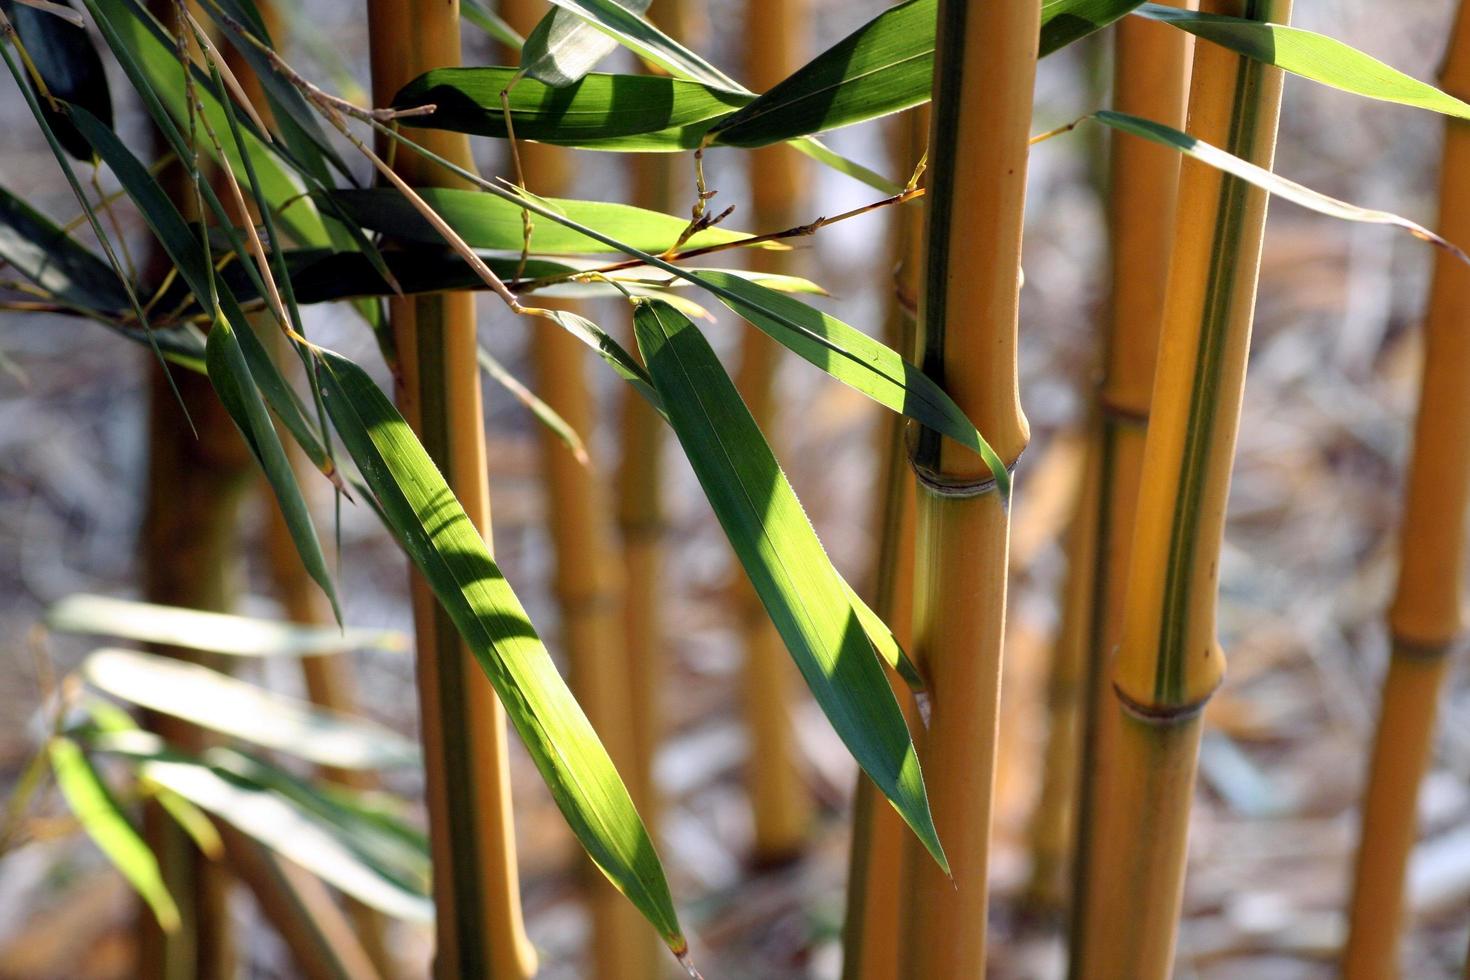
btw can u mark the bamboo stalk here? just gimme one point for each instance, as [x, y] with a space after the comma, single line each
[1169, 661]
[657, 180]
[1150, 79]
[467, 774]
[780, 802]
[588, 577]
[871, 928]
[1424, 619]
[194, 487]
[985, 69]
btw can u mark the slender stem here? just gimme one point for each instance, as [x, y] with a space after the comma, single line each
[1151, 79]
[1169, 661]
[1425, 618]
[476, 882]
[782, 806]
[984, 75]
[870, 937]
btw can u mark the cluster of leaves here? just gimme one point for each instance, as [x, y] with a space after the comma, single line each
[325, 236]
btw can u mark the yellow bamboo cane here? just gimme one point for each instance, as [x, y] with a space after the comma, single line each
[781, 804]
[1150, 79]
[871, 927]
[467, 775]
[1169, 659]
[588, 578]
[1425, 619]
[657, 181]
[984, 73]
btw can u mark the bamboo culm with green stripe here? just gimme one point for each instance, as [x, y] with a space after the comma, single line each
[1169, 661]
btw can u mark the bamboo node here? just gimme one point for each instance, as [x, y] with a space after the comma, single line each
[956, 487]
[1164, 714]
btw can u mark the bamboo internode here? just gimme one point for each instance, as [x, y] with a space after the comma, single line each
[984, 74]
[587, 579]
[1169, 660]
[874, 916]
[1425, 618]
[466, 765]
[1150, 79]
[781, 804]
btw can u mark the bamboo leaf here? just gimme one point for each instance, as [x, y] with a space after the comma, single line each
[436, 533]
[885, 66]
[488, 222]
[646, 113]
[184, 249]
[221, 783]
[241, 710]
[1313, 56]
[192, 629]
[87, 796]
[477, 12]
[542, 412]
[147, 55]
[807, 600]
[854, 358]
[1266, 180]
[70, 67]
[44, 253]
[233, 383]
[562, 47]
[626, 24]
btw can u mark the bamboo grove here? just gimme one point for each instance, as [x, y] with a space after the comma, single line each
[453, 201]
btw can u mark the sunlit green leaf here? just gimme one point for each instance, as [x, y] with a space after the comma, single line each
[438, 536]
[563, 47]
[87, 796]
[805, 597]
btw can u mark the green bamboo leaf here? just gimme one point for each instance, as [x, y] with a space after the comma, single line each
[885, 66]
[542, 412]
[1065, 21]
[645, 113]
[241, 710]
[192, 629]
[146, 53]
[221, 782]
[1266, 180]
[807, 600]
[843, 352]
[44, 253]
[477, 12]
[562, 47]
[1313, 56]
[292, 116]
[183, 247]
[438, 536]
[854, 358]
[103, 820]
[68, 64]
[653, 45]
[488, 222]
[233, 383]
[624, 23]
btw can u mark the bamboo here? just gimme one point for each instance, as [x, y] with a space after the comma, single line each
[780, 803]
[985, 69]
[1150, 79]
[657, 180]
[194, 486]
[1169, 660]
[328, 679]
[587, 578]
[466, 766]
[1424, 619]
[871, 926]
